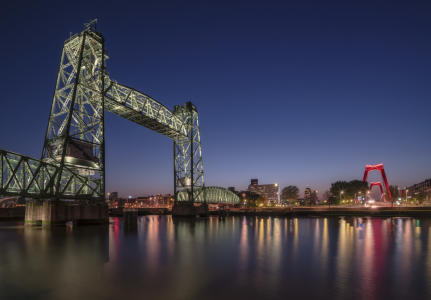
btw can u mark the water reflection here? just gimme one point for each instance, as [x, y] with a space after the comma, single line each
[232, 258]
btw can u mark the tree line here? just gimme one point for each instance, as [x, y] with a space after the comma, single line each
[340, 192]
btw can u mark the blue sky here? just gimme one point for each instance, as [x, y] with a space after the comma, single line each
[303, 93]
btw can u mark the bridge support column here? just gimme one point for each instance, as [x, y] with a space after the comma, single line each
[54, 213]
[222, 213]
[187, 209]
[57, 213]
[33, 213]
[130, 216]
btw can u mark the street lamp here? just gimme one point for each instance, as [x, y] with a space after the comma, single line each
[341, 192]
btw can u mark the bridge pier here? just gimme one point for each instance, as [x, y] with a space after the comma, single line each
[32, 213]
[222, 213]
[187, 209]
[130, 216]
[53, 213]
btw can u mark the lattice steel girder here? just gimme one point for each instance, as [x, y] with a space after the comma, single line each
[25, 176]
[74, 138]
[143, 110]
[211, 194]
[188, 164]
[74, 142]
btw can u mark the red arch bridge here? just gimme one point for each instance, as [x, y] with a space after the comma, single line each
[383, 188]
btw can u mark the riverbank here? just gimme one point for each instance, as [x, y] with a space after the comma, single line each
[357, 211]
[18, 213]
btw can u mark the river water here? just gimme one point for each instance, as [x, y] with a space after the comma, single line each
[236, 258]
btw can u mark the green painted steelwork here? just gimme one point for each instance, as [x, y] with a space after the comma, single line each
[210, 194]
[75, 136]
[72, 165]
[188, 163]
[25, 176]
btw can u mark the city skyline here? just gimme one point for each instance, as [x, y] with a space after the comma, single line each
[286, 94]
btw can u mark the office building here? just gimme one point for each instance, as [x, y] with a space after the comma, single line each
[270, 191]
[310, 196]
[414, 190]
[112, 196]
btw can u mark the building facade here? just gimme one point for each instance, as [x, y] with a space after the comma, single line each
[155, 201]
[310, 196]
[270, 191]
[414, 190]
[112, 196]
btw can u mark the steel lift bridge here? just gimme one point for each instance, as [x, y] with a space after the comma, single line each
[72, 165]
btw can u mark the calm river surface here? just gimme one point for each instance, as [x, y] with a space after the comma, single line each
[238, 258]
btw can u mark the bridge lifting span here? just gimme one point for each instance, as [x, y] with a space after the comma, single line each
[72, 165]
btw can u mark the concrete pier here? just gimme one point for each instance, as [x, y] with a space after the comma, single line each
[57, 213]
[222, 213]
[187, 209]
[130, 216]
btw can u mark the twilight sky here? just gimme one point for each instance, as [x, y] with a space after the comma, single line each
[302, 94]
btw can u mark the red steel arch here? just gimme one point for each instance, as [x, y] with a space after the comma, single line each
[379, 184]
[379, 168]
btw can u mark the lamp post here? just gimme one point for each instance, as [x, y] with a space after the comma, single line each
[341, 192]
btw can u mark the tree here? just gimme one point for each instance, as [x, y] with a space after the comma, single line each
[338, 188]
[326, 195]
[356, 188]
[262, 201]
[289, 193]
[332, 200]
[249, 197]
[420, 197]
[395, 192]
[343, 190]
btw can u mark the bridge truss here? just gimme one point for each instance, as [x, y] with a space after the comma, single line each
[212, 194]
[25, 176]
[72, 165]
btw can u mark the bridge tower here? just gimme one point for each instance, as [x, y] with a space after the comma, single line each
[75, 139]
[379, 184]
[381, 169]
[188, 164]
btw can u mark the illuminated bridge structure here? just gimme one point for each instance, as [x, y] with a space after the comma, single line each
[72, 164]
[383, 188]
[211, 194]
[379, 184]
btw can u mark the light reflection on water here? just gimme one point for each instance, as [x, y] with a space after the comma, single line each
[236, 258]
